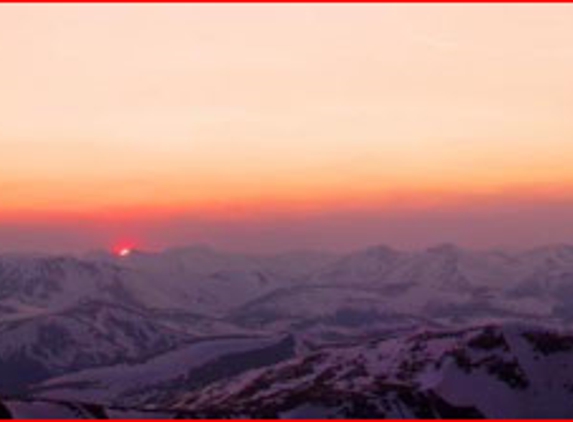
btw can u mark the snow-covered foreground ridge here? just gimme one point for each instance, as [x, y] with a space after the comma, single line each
[511, 371]
[492, 371]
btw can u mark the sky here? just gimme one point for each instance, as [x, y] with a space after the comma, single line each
[264, 127]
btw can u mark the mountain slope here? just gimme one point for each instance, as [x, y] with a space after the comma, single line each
[89, 335]
[156, 381]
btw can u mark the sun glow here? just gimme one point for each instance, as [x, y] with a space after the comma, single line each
[123, 250]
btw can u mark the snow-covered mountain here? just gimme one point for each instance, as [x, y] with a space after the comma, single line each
[441, 280]
[444, 284]
[60, 314]
[196, 280]
[101, 320]
[90, 334]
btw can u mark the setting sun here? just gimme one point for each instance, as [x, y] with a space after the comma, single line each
[124, 252]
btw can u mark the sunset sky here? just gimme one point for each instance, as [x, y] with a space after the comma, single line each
[269, 127]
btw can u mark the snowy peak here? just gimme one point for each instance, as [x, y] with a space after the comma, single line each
[55, 282]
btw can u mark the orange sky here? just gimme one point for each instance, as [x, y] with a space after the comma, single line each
[134, 112]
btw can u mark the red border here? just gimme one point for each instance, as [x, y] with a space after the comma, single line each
[290, 1]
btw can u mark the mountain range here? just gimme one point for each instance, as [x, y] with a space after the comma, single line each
[195, 331]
